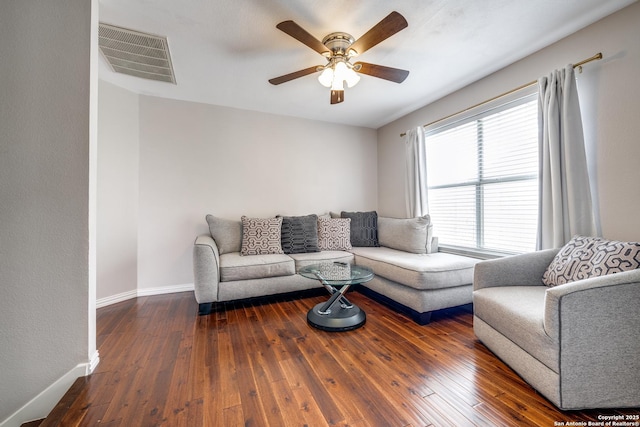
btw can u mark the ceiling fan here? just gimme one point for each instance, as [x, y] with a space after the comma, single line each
[339, 48]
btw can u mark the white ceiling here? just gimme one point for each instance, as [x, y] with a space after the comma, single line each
[224, 51]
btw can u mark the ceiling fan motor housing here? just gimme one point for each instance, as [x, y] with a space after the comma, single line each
[338, 43]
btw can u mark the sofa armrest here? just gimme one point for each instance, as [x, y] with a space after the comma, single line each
[516, 270]
[596, 323]
[206, 269]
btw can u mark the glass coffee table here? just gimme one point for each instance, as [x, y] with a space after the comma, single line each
[338, 313]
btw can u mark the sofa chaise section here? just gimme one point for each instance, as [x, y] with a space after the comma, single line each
[419, 283]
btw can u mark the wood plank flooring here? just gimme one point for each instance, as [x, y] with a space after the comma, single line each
[260, 364]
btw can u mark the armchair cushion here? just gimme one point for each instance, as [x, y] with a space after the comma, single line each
[516, 312]
[585, 257]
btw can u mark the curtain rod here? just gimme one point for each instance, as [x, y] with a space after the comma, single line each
[578, 65]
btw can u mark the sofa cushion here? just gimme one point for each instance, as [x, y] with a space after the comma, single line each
[227, 233]
[302, 260]
[410, 235]
[583, 257]
[234, 266]
[334, 234]
[420, 271]
[517, 312]
[364, 228]
[261, 236]
[299, 234]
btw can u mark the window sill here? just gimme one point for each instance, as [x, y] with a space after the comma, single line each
[474, 253]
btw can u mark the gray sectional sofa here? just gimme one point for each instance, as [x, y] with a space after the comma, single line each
[576, 341]
[411, 275]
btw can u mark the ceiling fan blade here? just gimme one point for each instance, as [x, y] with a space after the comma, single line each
[388, 73]
[300, 34]
[294, 75]
[384, 29]
[337, 96]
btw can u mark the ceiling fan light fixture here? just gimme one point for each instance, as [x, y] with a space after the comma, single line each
[337, 84]
[337, 74]
[352, 78]
[340, 70]
[326, 77]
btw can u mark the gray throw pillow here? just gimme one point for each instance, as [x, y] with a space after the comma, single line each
[410, 235]
[300, 234]
[364, 228]
[227, 234]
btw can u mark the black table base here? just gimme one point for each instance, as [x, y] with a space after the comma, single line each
[338, 320]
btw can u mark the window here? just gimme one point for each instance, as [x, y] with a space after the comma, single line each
[482, 178]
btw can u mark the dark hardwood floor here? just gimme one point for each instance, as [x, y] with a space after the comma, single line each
[260, 364]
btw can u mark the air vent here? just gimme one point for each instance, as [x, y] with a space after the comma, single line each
[136, 54]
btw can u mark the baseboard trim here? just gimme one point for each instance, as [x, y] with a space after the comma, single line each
[144, 292]
[113, 299]
[40, 406]
[93, 363]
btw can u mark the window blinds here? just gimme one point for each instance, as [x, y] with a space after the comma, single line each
[482, 175]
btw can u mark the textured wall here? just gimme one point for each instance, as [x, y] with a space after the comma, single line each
[44, 194]
[118, 160]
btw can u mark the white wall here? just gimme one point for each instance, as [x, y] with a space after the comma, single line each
[195, 159]
[609, 90]
[198, 159]
[118, 160]
[44, 197]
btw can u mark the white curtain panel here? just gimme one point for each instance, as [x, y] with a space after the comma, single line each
[416, 173]
[565, 196]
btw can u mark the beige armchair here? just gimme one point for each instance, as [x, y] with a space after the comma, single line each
[578, 344]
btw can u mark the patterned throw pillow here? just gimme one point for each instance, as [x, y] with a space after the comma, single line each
[300, 234]
[261, 236]
[334, 234]
[585, 257]
[364, 228]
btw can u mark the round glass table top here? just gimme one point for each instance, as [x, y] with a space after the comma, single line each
[337, 273]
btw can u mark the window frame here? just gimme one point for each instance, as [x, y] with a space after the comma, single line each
[476, 114]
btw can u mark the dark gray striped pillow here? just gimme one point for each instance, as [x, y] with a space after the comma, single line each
[364, 228]
[300, 234]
